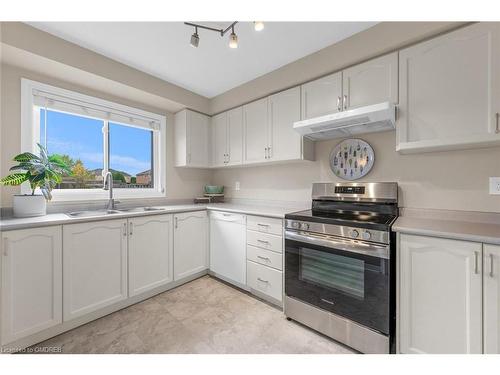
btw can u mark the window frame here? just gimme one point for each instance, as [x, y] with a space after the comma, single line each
[30, 135]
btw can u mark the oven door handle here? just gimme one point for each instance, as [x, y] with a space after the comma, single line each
[358, 247]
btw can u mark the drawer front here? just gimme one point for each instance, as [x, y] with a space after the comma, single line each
[265, 225]
[265, 257]
[266, 280]
[265, 241]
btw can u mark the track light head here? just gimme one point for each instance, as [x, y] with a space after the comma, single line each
[195, 39]
[258, 25]
[233, 40]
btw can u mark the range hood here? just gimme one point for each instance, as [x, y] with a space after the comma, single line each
[369, 119]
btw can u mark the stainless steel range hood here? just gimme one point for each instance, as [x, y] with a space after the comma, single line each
[369, 119]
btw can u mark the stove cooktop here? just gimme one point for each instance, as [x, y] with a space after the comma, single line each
[370, 220]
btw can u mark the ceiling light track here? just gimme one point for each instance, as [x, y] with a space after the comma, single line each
[233, 38]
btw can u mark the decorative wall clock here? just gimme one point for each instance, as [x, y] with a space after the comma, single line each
[352, 159]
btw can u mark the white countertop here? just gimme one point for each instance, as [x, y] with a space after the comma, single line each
[476, 227]
[11, 223]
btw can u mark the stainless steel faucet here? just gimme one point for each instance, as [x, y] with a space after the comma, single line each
[108, 185]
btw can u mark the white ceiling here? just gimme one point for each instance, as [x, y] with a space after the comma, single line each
[162, 49]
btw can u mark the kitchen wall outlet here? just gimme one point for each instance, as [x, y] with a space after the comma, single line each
[237, 186]
[495, 185]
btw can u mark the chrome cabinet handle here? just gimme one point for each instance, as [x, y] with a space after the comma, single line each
[345, 102]
[263, 258]
[269, 152]
[491, 265]
[339, 103]
[131, 225]
[262, 280]
[476, 263]
[263, 225]
[176, 219]
[124, 229]
[266, 153]
[497, 129]
[262, 241]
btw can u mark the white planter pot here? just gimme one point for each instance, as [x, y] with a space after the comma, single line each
[29, 205]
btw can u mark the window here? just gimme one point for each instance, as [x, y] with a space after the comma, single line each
[95, 136]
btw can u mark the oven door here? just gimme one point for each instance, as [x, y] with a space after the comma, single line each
[347, 278]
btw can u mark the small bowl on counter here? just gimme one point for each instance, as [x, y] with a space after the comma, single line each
[214, 189]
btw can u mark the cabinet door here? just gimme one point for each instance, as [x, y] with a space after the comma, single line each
[491, 283]
[255, 130]
[322, 96]
[440, 295]
[235, 136]
[31, 286]
[198, 153]
[190, 244]
[219, 139]
[373, 82]
[450, 90]
[285, 143]
[150, 253]
[94, 266]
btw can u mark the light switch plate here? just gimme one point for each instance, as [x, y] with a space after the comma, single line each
[237, 186]
[495, 185]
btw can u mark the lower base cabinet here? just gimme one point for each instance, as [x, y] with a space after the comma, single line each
[491, 293]
[150, 253]
[265, 280]
[190, 244]
[94, 266]
[31, 283]
[440, 295]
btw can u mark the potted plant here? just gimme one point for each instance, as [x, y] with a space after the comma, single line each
[43, 172]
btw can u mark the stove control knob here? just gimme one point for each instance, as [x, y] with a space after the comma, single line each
[354, 233]
[304, 226]
[367, 235]
[295, 224]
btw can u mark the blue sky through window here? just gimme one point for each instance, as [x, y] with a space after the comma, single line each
[81, 138]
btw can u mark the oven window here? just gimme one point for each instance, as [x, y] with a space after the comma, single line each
[332, 271]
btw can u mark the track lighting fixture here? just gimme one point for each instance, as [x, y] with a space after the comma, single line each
[258, 25]
[233, 38]
[195, 39]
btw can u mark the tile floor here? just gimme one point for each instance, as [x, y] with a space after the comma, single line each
[203, 316]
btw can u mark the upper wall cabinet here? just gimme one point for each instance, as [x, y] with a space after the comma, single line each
[192, 141]
[373, 82]
[450, 91]
[322, 96]
[227, 138]
[255, 120]
[283, 142]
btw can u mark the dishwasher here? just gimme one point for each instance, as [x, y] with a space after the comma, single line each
[228, 247]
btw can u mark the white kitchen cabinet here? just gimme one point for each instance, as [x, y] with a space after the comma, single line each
[235, 136]
[31, 286]
[190, 243]
[322, 96]
[284, 143]
[150, 252]
[265, 281]
[449, 91]
[491, 293]
[255, 125]
[440, 308]
[192, 139]
[94, 266]
[372, 82]
[228, 247]
[227, 138]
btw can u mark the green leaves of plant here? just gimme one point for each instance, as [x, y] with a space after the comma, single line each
[14, 179]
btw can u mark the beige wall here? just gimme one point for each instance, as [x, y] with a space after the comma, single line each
[181, 183]
[454, 180]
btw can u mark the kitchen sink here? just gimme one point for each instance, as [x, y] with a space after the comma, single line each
[141, 209]
[93, 213]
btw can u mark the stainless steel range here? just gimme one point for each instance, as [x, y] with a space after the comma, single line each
[340, 264]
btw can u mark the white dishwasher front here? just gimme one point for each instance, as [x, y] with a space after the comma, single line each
[228, 247]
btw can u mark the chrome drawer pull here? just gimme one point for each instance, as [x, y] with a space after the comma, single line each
[264, 258]
[262, 241]
[262, 280]
[328, 301]
[263, 225]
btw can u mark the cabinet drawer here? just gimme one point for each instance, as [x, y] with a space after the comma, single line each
[265, 225]
[265, 257]
[265, 280]
[265, 241]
